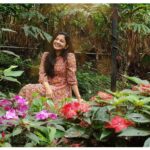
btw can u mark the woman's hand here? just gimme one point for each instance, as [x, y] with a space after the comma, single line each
[80, 99]
[48, 88]
[49, 93]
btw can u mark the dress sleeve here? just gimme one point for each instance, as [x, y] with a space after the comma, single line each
[42, 75]
[71, 69]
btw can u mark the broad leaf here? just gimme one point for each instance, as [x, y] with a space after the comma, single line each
[136, 117]
[52, 133]
[147, 143]
[137, 80]
[9, 72]
[33, 137]
[11, 79]
[74, 132]
[105, 133]
[16, 131]
[131, 131]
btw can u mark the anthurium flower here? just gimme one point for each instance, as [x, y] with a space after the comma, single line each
[11, 114]
[118, 123]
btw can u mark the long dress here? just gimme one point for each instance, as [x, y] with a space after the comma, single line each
[65, 77]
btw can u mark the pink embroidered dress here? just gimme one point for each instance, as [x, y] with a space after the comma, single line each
[65, 77]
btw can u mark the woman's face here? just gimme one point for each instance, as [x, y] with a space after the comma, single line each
[59, 43]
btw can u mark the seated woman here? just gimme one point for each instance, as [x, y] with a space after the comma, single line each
[57, 72]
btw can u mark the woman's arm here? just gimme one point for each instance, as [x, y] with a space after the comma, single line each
[43, 79]
[71, 75]
[76, 92]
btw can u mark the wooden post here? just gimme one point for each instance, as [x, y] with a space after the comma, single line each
[114, 46]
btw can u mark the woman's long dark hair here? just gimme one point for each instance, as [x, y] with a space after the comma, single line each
[51, 57]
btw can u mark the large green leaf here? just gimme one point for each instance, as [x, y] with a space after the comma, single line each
[136, 80]
[74, 132]
[137, 117]
[101, 114]
[47, 36]
[147, 143]
[131, 131]
[105, 133]
[52, 132]
[11, 79]
[33, 137]
[17, 131]
[8, 72]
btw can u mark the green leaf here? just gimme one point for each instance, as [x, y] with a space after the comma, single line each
[33, 137]
[10, 53]
[52, 133]
[41, 136]
[8, 30]
[147, 143]
[29, 144]
[140, 118]
[16, 131]
[7, 145]
[9, 72]
[47, 36]
[136, 80]
[11, 79]
[59, 134]
[74, 132]
[105, 133]
[101, 114]
[131, 131]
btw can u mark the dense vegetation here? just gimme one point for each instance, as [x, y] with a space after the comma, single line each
[25, 33]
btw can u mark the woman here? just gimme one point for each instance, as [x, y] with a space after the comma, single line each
[57, 70]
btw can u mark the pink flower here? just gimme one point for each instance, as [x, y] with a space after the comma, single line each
[104, 96]
[118, 123]
[23, 108]
[6, 108]
[11, 114]
[20, 100]
[84, 107]
[5, 102]
[52, 116]
[42, 115]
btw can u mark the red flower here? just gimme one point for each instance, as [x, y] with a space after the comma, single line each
[118, 123]
[71, 109]
[3, 135]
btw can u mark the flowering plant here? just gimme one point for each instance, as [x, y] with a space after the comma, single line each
[73, 109]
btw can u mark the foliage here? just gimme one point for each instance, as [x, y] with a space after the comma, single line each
[10, 75]
[118, 117]
[90, 82]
